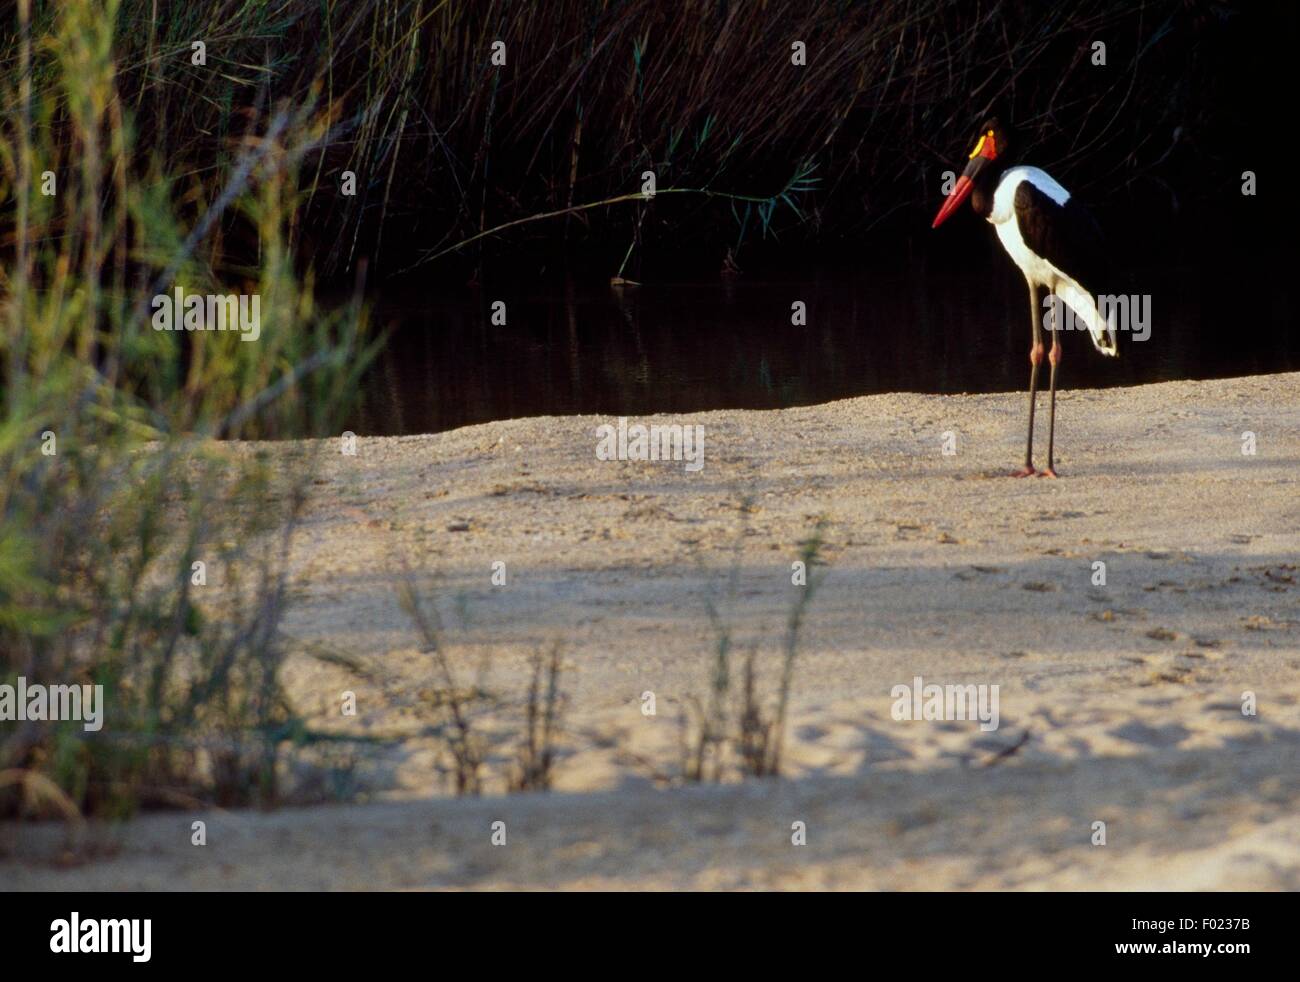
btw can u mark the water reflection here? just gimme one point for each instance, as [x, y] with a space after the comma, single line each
[729, 343]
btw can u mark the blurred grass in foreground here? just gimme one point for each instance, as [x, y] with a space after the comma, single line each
[111, 486]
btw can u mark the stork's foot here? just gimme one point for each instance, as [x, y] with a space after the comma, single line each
[1026, 471]
[1048, 472]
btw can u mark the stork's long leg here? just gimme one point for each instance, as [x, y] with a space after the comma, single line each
[1054, 357]
[1035, 356]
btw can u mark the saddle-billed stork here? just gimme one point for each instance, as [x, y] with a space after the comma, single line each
[1053, 240]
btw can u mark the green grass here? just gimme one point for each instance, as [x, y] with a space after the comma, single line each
[738, 728]
[111, 487]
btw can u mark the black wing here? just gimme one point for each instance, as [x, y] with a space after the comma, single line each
[1065, 235]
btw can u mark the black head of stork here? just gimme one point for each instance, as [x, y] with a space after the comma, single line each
[1057, 246]
[988, 160]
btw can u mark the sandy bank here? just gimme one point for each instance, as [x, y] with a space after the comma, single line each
[1118, 702]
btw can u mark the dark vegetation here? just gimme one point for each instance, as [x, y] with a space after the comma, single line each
[445, 144]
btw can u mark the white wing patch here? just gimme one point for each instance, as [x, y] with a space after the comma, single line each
[1003, 218]
[1004, 198]
[1085, 308]
[1038, 271]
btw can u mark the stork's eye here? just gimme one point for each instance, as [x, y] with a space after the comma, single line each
[986, 139]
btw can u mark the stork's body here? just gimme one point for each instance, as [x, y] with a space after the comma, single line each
[1055, 243]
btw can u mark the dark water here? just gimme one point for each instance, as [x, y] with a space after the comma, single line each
[894, 324]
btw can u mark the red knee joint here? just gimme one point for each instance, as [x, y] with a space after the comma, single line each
[1055, 355]
[1035, 354]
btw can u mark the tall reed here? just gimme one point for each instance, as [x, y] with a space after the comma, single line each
[445, 143]
[136, 553]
